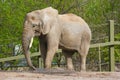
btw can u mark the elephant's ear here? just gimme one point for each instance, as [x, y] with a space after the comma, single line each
[48, 19]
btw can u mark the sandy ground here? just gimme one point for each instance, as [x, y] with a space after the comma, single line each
[58, 75]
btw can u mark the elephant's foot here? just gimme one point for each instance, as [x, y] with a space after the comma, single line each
[82, 70]
[70, 67]
[47, 67]
[33, 68]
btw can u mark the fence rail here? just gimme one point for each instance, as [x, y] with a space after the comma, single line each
[18, 57]
[35, 54]
[109, 44]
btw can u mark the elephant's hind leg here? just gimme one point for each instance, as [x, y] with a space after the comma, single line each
[83, 53]
[68, 56]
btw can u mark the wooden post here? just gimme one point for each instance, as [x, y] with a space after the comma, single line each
[111, 48]
[99, 59]
[40, 62]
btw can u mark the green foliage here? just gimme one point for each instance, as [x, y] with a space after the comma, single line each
[13, 13]
[117, 48]
[12, 18]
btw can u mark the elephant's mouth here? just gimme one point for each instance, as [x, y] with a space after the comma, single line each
[37, 33]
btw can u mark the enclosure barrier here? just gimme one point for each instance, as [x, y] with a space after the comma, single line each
[110, 44]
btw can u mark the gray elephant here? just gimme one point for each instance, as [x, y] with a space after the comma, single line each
[68, 32]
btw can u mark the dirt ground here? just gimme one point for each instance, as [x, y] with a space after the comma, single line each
[58, 75]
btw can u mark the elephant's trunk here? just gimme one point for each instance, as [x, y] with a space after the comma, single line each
[27, 36]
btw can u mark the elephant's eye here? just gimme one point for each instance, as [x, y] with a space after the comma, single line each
[33, 25]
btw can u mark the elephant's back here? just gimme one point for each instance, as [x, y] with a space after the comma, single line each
[71, 18]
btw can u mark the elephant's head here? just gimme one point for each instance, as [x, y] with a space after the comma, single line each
[36, 23]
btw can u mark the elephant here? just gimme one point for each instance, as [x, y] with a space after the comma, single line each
[67, 32]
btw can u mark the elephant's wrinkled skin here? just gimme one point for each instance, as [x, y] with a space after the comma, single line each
[67, 31]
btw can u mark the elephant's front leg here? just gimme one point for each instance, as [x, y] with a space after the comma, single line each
[49, 57]
[52, 48]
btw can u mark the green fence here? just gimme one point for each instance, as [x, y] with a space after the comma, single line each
[110, 44]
